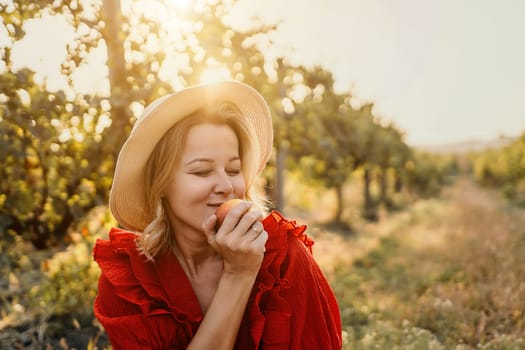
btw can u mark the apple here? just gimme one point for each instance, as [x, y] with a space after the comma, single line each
[224, 208]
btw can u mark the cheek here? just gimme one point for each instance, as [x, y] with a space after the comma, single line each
[185, 188]
[239, 187]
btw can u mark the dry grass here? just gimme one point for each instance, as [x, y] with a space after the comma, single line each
[448, 273]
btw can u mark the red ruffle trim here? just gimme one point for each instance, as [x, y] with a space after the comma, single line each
[134, 277]
[136, 280]
[269, 313]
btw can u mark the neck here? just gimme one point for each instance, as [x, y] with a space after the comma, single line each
[193, 253]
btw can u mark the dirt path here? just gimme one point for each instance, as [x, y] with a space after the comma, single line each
[465, 212]
[453, 267]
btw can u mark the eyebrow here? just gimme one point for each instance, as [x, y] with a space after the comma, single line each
[207, 160]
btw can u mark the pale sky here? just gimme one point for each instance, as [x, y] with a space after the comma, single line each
[441, 70]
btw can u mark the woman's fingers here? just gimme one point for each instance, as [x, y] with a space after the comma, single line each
[241, 238]
[249, 222]
[260, 241]
[257, 227]
[209, 230]
[241, 219]
[233, 217]
[255, 231]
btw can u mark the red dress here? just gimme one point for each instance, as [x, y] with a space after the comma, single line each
[146, 305]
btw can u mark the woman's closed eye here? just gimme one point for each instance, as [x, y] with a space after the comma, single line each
[200, 172]
[233, 172]
[208, 172]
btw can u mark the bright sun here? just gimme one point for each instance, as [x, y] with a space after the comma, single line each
[214, 74]
[181, 3]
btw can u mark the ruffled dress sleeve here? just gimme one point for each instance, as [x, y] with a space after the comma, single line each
[292, 305]
[132, 302]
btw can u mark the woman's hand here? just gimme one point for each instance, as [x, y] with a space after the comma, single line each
[240, 240]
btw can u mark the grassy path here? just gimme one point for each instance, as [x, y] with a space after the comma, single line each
[447, 274]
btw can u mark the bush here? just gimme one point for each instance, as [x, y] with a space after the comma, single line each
[49, 296]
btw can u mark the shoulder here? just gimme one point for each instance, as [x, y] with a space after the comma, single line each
[119, 242]
[288, 246]
[286, 234]
[127, 277]
[119, 259]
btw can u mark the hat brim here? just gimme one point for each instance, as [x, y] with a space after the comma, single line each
[127, 196]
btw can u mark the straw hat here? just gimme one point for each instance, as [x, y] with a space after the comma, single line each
[127, 197]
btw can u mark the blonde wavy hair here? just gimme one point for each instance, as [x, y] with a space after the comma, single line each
[157, 236]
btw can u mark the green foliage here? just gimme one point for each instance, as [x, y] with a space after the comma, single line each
[329, 139]
[53, 170]
[57, 148]
[17, 274]
[426, 173]
[70, 282]
[70, 276]
[53, 290]
[503, 168]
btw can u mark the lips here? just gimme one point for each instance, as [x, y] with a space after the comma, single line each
[215, 205]
[218, 204]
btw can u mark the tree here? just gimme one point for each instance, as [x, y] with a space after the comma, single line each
[328, 135]
[60, 147]
[47, 147]
[69, 151]
[503, 168]
[365, 150]
[391, 154]
[51, 172]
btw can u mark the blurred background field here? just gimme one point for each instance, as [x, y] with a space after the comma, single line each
[424, 246]
[445, 272]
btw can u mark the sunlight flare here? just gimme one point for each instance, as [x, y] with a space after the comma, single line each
[181, 3]
[214, 75]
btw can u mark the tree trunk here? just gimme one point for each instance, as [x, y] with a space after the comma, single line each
[369, 211]
[398, 182]
[278, 189]
[383, 175]
[339, 203]
[281, 149]
[114, 38]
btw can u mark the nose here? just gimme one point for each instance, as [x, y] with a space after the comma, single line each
[223, 183]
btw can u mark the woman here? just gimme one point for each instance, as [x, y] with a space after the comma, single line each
[175, 278]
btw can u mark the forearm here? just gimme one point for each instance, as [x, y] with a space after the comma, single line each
[221, 323]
